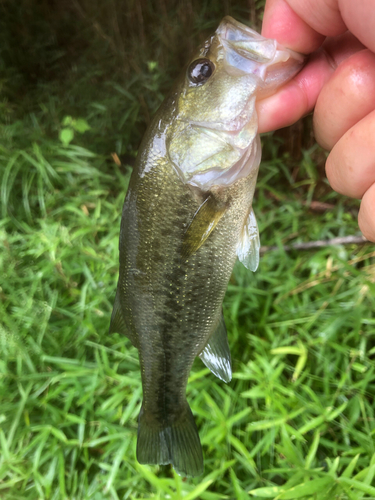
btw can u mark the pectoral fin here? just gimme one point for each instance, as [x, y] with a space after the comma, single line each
[249, 244]
[216, 354]
[118, 322]
[204, 222]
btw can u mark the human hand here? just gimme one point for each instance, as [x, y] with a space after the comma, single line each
[339, 81]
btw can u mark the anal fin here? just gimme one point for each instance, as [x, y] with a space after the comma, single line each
[118, 323]
[216, 354]
[249, 245]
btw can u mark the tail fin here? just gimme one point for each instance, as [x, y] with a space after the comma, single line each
[178, 443]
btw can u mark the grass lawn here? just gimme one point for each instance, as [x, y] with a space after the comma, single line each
[296, 422]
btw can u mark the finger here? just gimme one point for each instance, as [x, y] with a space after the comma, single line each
[359, 17]
[282, 23]
[299, 96]
[302, 24]
[324, 16]
[346, 98]
[350, 166]
[366, 219]
[296, 98]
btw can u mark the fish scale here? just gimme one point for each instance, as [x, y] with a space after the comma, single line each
[187, 216]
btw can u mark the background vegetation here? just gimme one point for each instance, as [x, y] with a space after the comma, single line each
[79, 82]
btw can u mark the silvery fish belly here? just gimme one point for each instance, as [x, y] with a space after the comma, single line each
[187, 216]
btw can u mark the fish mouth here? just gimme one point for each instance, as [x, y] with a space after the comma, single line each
[248, 52]
[245, 49]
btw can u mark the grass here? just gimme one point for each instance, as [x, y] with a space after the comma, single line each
[297, 421]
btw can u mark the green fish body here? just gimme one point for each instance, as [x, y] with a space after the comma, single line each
[187, 216]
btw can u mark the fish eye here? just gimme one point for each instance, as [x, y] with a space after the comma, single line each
[200, 71]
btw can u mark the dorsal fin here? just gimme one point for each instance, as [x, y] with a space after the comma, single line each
[216, 354]
[204, 222]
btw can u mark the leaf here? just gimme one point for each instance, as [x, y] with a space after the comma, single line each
[357, 485]
[300, 351]
[116, 463]
[265, 424]
[81, 125]
[313, 448]
[241, 448]
[314, 422]
[370, 475]
[66, 136]
[267, 492]
[334, 466]
[58, 434]
[335, 413]
[309, 488]
[254, 393]
[152, 66]
[198, 490]
[67, 121]
[61, 474]
[287, 350]
[350, 467]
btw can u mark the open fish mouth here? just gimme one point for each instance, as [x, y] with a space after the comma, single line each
[248, 52]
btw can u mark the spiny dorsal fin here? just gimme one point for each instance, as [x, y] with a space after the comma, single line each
[204, 222]
[118, 323]
[216, 354]
[249, 244]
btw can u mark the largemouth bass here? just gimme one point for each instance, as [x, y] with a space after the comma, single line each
[187, 216]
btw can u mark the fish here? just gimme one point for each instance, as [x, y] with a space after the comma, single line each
[186, 218]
